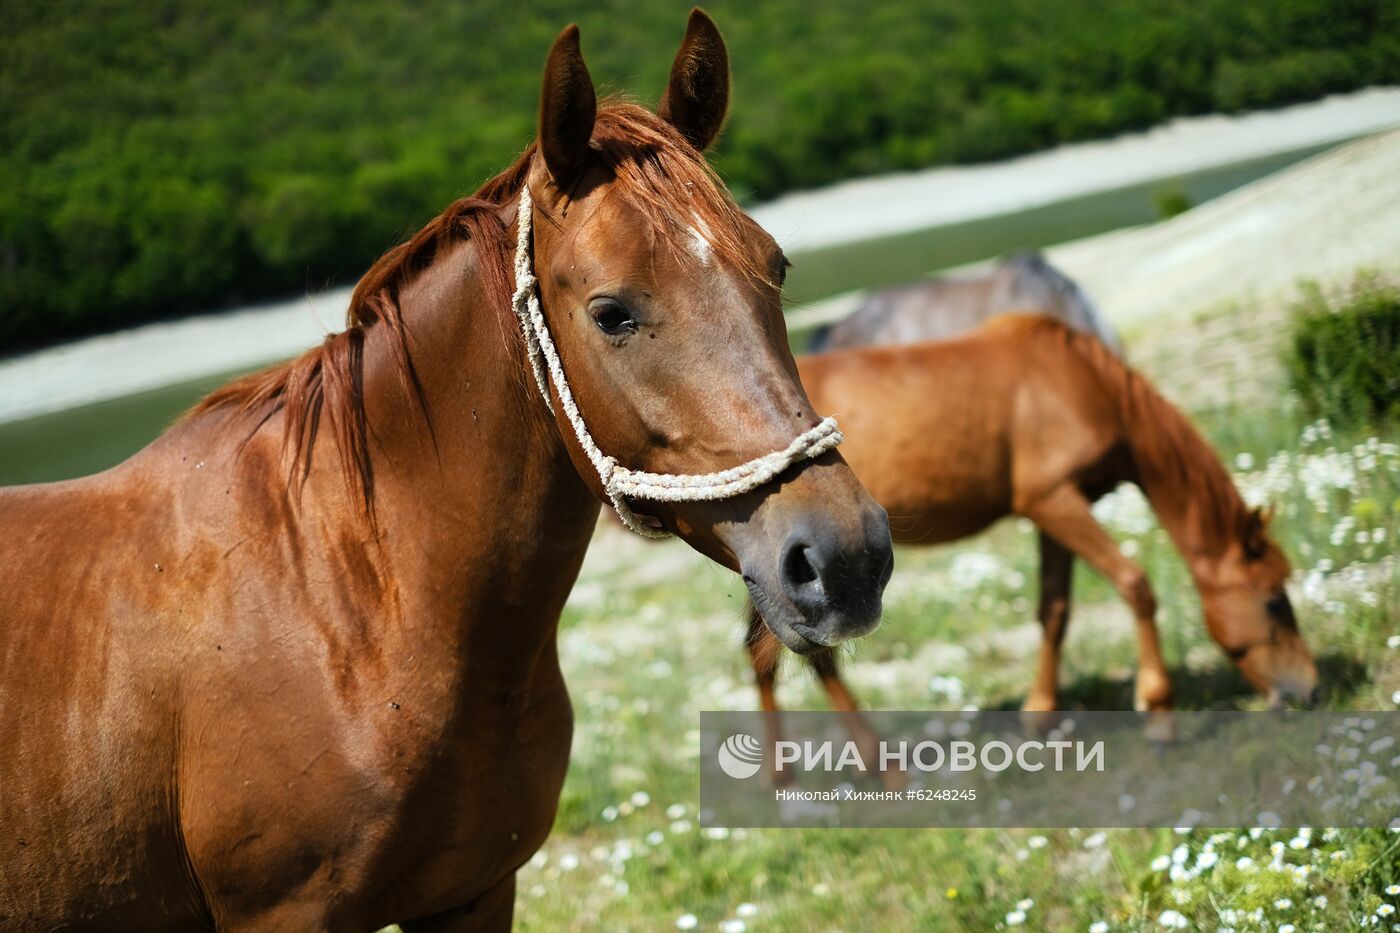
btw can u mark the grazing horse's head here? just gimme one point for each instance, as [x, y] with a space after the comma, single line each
[664, 300]
[1248, 613]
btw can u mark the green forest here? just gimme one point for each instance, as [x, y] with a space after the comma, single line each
[165, 157]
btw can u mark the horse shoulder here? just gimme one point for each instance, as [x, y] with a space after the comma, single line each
[1064, 426]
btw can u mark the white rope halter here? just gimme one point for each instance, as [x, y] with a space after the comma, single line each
[618, 481]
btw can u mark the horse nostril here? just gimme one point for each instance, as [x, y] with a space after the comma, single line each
[834, 578]
[798, 571]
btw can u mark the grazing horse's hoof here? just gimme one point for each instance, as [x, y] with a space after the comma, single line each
[1160, 728]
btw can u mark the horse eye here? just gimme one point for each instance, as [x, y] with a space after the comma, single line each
[1280, 610]
[783, 267]
[612, 318]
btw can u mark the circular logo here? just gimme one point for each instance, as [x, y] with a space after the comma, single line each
[740, 756]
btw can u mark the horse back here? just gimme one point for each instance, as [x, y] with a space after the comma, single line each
[950, 436]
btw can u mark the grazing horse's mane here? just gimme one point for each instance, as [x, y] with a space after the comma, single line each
[1176, 464]
[654, 169]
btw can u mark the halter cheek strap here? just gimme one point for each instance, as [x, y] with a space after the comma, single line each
[618, 481]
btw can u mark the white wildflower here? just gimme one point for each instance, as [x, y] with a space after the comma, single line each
[1173, 920]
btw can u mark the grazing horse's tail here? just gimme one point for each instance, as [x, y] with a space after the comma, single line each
[1038, 282]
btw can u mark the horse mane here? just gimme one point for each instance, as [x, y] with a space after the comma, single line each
[1173, 459]
[655, 169]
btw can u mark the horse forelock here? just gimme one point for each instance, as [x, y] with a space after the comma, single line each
[672, 183]
[653, 167]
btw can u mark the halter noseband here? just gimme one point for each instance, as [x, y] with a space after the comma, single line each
[618, 481]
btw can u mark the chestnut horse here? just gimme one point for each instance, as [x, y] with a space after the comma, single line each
[294, 665]
[1028, 417]
[951, 305]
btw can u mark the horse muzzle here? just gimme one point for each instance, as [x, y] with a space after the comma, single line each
[826, 583]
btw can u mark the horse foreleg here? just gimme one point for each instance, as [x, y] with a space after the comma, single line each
[1064, 514]
[844, 702]
[764, 651]
[1056, 574]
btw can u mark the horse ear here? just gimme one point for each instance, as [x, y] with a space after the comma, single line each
[697, 96]
[568, 108]
[1256, 533]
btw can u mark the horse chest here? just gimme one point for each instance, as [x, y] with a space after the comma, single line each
[482, 800]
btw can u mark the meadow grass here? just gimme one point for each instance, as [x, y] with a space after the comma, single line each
[653, 635]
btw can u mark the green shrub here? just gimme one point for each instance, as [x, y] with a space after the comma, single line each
[1344, 361]
[1170, 202]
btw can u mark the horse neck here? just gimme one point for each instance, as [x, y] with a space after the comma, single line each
[1187, 485]
[481, 506]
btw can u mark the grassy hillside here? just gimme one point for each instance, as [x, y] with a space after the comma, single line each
[166, 156]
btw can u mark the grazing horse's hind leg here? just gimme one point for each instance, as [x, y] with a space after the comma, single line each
[1056, 576]
[1064, 514]
[764, 652]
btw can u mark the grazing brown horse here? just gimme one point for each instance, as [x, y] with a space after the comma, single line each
[1027, 417]
[294, 665]
[952, 305]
